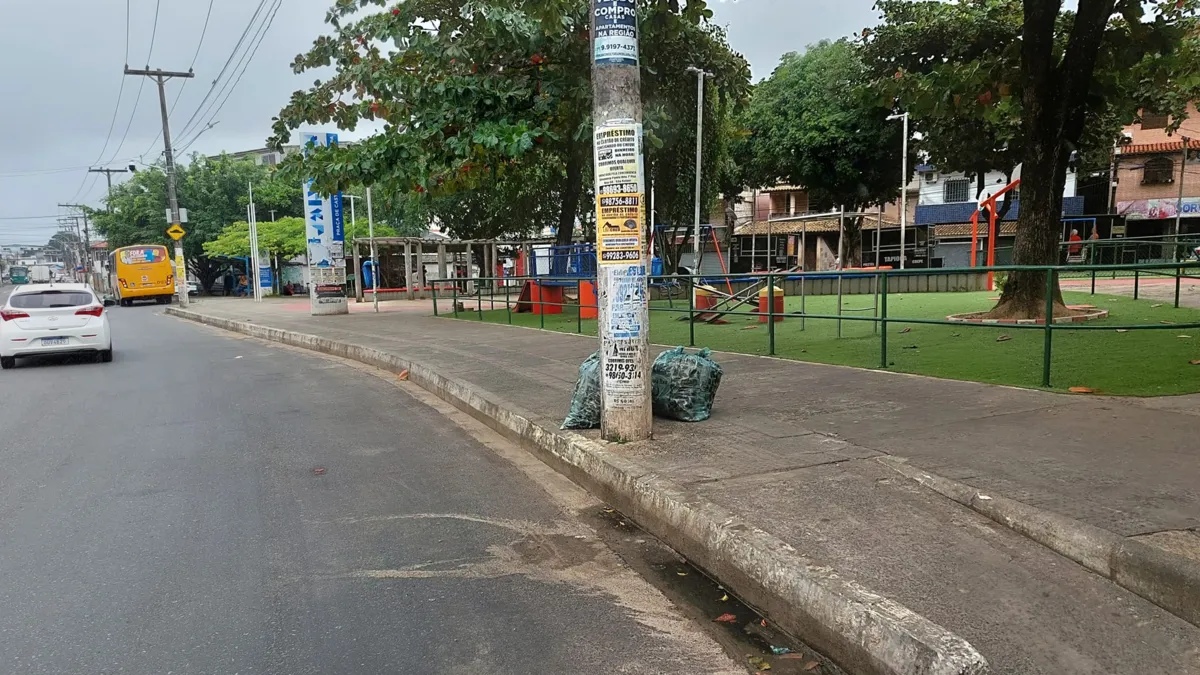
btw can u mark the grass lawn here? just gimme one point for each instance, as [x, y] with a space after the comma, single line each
[1137, 362]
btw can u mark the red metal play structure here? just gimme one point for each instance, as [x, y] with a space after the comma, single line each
[992, 232]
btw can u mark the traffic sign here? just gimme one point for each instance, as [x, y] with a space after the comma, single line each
[176, 232]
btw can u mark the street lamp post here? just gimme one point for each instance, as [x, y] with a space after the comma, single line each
[903, 182]
[700, 75]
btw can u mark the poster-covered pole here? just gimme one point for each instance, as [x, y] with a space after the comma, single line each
[620, 211]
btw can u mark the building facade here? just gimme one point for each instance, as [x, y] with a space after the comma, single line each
[1155, 180]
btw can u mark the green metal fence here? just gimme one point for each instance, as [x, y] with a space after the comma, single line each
[880, 281]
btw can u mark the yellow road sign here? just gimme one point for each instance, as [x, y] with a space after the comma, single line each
[176, 232]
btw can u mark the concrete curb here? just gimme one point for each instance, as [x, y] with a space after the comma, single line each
[862, 631]
[1167, 579]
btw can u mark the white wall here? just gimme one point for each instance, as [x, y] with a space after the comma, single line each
[934, 192]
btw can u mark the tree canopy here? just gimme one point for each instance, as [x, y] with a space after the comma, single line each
[1002, 81]
[486, 106]
[811, 124]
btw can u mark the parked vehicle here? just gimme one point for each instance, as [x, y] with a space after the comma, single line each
[40, 274]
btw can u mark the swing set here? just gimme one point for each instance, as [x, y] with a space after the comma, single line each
[992, 231]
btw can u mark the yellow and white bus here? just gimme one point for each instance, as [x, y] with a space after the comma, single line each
[141, 273]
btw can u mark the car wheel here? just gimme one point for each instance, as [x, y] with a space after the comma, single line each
[7, 362]
[106, 355]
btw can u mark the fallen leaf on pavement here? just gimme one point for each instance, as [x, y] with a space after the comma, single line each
[681, 573]
[726, 618]
[1004, 338]
[1081, 390]
[724, 598]
[811, 665]
[319, 471]
[403, 375]
[758, 662]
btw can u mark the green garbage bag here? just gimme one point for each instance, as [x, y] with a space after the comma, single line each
[685, 385]
[585, 402]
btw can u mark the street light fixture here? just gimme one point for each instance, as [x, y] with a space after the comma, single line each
[903, 182]
[701, 74]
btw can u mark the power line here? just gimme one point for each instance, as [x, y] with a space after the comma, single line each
[117, 108]
[153, 31]
[241, 40]
[179, 94]
[264, 27]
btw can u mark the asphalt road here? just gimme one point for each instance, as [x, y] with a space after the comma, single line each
[211, 504]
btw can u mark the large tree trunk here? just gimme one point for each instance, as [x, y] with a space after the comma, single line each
[572, 188]
[1054, 105]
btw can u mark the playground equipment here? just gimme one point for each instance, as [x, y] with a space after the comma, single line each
[990, 205]
[555, 268]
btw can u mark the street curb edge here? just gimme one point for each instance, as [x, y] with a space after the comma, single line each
[1167, 579]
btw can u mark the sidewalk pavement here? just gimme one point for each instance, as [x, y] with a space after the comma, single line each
[795, 450]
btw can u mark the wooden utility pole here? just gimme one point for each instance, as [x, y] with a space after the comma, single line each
[621, 282]
[161, 76]
[108, 174]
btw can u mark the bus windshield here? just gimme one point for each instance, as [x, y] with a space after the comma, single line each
[18, 271]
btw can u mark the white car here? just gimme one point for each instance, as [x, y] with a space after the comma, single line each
[54, 319]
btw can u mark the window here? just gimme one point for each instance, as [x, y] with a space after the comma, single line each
[957, 190]
[1154, 121]
[47, 299]
[270, 159]
[1158, 170]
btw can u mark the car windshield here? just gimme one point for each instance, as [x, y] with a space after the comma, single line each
[51, 299]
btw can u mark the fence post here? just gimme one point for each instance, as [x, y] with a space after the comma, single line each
[454, 299]
[839, 304]
[435, 309]
[479, 298]
[1178, 271]
[1050, 277]
[1136, 278]
[883, 320]
[803, 318]
[541, 307]
[507, 304]
[579, 314]
[692, 312]
[1093, 281]
[770, 314]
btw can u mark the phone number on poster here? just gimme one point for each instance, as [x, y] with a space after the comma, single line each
[621, 256]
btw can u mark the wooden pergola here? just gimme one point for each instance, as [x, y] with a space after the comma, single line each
[451, 253]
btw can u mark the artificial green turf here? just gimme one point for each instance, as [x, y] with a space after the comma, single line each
[1136, 362]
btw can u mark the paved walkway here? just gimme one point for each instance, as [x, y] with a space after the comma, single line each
[789, 447]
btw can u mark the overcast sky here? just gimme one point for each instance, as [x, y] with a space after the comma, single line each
[60, 94]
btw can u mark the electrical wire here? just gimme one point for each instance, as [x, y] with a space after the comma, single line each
[179, 95]
[117, 108]
[248, 58]
[233, 53]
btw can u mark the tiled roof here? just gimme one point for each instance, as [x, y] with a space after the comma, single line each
[1150, 148]
[798, 226]
[960, 212]
[1007, 228]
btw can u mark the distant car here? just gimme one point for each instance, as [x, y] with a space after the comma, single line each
[54, 319]
[193, 288]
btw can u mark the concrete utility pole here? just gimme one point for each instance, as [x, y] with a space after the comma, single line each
[86, 257]
[903, 183]
[108, 174]
[700, 75]
[620, 211]
[1179, 200]
[161, 76]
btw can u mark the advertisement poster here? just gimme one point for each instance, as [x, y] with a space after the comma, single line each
[616, 33]
[617, 150]
[624, 377]
[618, 229]
[326, 240]
[1157, 209]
